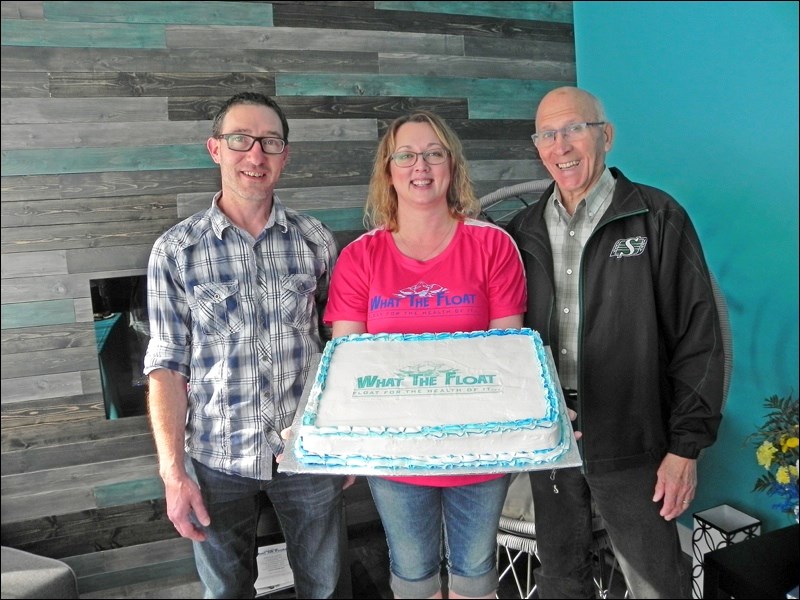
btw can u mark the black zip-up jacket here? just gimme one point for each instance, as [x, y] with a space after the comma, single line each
[650, 355]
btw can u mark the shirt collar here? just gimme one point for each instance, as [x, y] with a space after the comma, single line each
[219, 222]
[593, 201]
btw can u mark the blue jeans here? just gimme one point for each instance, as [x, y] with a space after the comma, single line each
[414, 518]
[646, 546]
[309, 509]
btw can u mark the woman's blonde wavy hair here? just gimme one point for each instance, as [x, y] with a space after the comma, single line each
[381, 207]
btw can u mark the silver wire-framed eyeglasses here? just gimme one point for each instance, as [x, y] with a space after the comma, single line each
[570, 133]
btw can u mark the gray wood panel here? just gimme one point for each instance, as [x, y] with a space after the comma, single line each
[83, 110]
[110, 184]
[41, 393]
[126, 84]
[22, 9]
[27, 264]
[406, 63]
[53, 337]
[313, 38]
[84, 235]
[194, 60]
[48, 362]
[87, 210]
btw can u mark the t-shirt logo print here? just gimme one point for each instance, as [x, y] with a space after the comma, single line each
[422, 290]
[629, 247]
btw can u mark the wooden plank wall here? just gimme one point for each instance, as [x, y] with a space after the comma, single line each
[106, 107]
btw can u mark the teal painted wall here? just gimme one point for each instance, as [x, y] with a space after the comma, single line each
[705, 99]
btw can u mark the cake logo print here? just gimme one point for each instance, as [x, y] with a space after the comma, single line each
[629, 247]
[428, 379]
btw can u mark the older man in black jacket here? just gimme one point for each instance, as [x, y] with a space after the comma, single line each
[619, 289]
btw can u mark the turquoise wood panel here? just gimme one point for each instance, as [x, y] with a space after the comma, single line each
[557, 12]
[99, 160]
[256, 14]
[513, 107]
[34, 314]
[340, 219]
[128, 492]
[500, 90]
[16, 32]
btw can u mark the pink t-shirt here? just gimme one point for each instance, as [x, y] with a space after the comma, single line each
[479, 277]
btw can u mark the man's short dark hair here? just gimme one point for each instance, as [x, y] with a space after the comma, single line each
[250, 98]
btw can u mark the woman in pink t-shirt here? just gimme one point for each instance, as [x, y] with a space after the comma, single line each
[430, 266]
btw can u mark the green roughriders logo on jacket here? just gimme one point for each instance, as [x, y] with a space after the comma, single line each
[629, 247]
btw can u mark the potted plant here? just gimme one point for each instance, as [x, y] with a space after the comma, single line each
[776, 443]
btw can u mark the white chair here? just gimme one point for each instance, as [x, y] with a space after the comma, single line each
[517, 554]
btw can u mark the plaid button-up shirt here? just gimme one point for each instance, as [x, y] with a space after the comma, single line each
[568, 235]
[239, 318]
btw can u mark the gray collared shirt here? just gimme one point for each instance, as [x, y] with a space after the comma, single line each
[568, 236]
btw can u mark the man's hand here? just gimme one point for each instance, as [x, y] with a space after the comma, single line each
[572, 416]
[676, 484]
[185, 507]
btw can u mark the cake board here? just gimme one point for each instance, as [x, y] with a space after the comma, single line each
[290, 463]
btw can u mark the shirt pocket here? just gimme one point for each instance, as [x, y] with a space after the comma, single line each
[297, 299]
[218, 310]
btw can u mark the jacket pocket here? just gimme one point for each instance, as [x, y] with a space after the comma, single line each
[297, 299]
[218, 310]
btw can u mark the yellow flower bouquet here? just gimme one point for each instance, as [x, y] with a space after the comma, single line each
[776, 444]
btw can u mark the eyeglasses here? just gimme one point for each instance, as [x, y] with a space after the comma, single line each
[570, 133]
[241, 142]
[406, 158]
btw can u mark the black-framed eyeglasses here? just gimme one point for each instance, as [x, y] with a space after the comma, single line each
[406, 158]
[241, 142]
[570, 133]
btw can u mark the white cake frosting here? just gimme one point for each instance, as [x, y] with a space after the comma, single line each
[417, 402]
